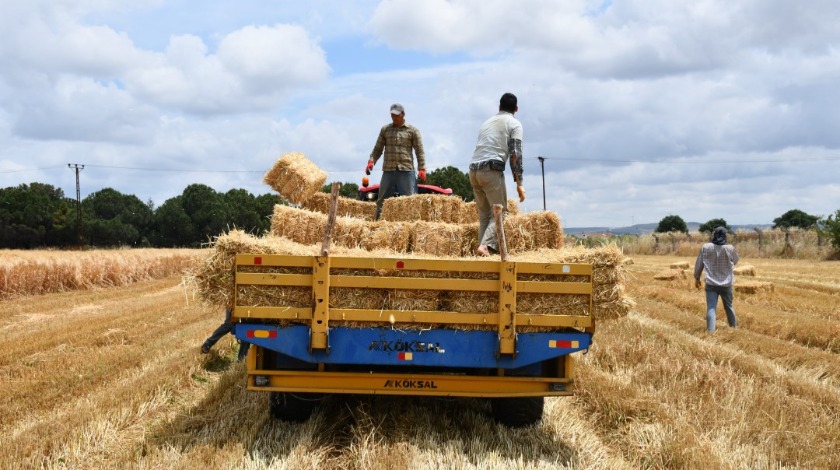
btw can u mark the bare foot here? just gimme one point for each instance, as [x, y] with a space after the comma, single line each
[482, 250]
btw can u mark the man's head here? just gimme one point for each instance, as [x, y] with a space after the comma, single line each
[397, 114]
[508, 103]
[719, 236]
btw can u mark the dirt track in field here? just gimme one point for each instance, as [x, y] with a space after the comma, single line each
[112, 378]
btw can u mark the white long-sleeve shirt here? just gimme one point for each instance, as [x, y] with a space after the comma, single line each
[718, 261]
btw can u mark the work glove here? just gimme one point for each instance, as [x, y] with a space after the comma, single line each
[521, 191]
[422, 175]
[369, 167]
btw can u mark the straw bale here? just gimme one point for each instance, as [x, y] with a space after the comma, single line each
[425, 207]
[753, 287]
[670, 275]
[392, 236]
[350, 232]
[680, 265]
[533, 231]
[347, 207]
[744, 270]
[295, 177]
[213, 275]
[299, 225]
[439, 239]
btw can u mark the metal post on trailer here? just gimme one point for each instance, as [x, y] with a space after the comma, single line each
[507, 292]
[321, 281]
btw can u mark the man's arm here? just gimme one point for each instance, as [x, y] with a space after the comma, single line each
[379, 147]
[515, 160]
[698, 266]
[418, 150]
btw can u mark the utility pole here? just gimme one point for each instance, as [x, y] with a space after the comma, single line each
[78, 168]
[542, 170]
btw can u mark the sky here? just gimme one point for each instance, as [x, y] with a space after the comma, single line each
[640, 109]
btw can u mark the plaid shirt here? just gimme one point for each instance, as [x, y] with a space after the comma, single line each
[397, 143]
[718, 260]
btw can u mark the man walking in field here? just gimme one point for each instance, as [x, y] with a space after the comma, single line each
[499, 141]
[718, 259]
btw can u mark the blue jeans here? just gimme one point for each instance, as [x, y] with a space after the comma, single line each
[223, 329]
[725, 294]
[403, 183]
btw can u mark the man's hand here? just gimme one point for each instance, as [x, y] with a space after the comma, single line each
[697, 284]
[369, 167]
[521, 191]
[422, 175]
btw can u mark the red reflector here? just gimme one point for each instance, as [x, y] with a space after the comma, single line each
[257, 259]
[250, 333]
[400, 265]
[564, 344]
[272, 334]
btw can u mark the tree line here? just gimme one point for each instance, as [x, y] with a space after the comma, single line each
[828, 226]
[40, 215]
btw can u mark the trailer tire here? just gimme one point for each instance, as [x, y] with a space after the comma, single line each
[517, 412]
[295, 407]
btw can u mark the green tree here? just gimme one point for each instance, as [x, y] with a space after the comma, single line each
[111, 218]
[795, 218]
[207, 210]
[451, 177]
[672, 223]
[350, 190]
[242, 207]
[711, 225]
[830, 227]
[172, 226]
[34, 215]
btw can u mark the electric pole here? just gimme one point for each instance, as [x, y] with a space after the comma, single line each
[542, 170]
[78, 168]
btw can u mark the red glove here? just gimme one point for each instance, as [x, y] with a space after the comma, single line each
[368, 167]
[422, 175]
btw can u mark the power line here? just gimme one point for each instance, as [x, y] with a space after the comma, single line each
[699, 162]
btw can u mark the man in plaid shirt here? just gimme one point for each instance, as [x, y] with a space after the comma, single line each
[397, 140]
[718, 259]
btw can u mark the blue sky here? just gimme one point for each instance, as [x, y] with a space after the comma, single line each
[642, 108]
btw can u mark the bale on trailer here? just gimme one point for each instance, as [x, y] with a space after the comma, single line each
[422, 207]
[347, 207]
[295, 177]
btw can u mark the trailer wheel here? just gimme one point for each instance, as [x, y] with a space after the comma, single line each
[295, 407]
[517, 411]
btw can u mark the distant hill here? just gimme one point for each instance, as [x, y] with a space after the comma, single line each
[645, 229]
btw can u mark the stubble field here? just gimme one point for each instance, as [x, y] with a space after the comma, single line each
[113, 378]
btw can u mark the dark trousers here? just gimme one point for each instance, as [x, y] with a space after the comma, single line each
[223, 329]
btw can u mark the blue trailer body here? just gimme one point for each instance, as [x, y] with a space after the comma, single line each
[430, 348]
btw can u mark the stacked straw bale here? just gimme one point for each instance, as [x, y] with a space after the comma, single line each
[299, 225]
[320, 202]
[295, 177]
[424, 207]
[215, 283]
[390, 236]
[744, 270]
[533, 231]
[438, 239]
[680, 265]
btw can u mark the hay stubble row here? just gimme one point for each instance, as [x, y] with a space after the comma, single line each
[111, 378]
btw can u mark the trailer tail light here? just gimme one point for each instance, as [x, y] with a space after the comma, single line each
[405, 356]
[563, 344]
[261, 334]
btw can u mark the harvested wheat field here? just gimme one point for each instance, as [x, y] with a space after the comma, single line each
[112, 378]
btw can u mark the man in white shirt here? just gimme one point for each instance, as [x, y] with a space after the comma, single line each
[718, 259]
[499, 141]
